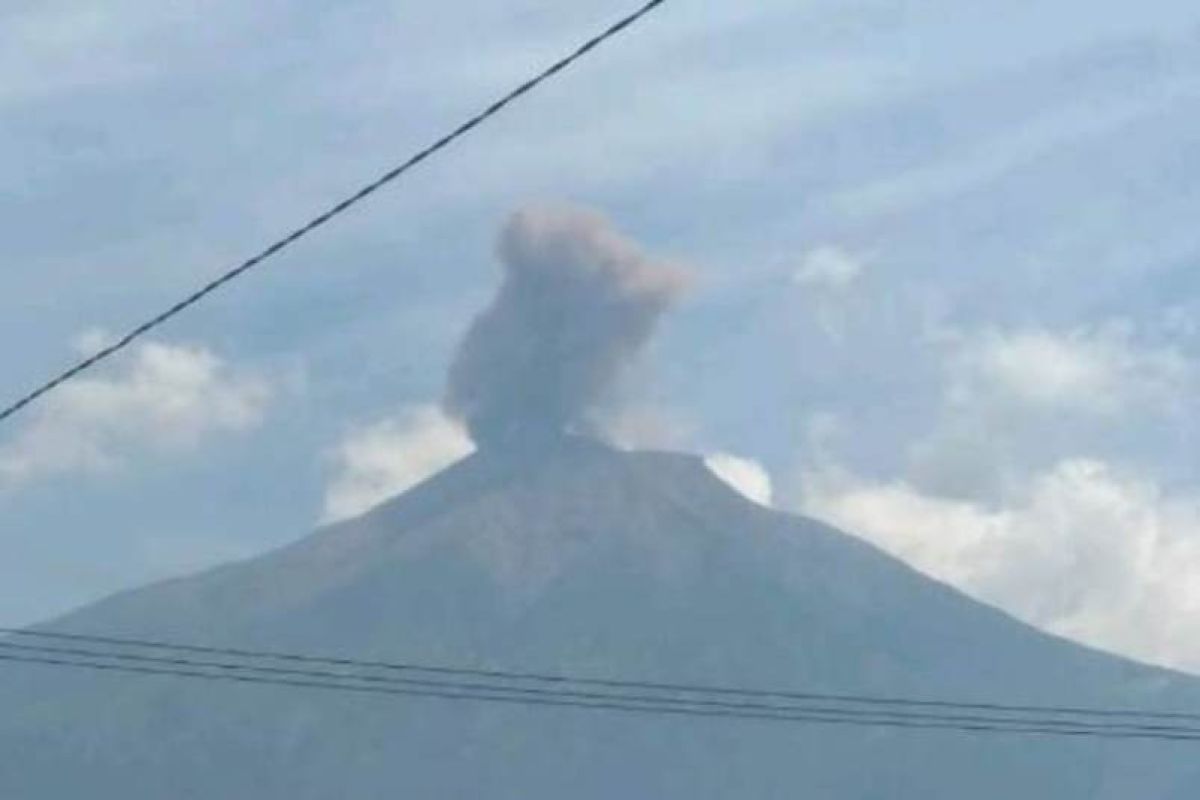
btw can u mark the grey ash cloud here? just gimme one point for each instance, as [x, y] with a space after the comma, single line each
[577, 304]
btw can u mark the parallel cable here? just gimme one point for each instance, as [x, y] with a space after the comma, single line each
[616, 691]
[332, 212]
[571, 682]
[589, 696]
[615, 703]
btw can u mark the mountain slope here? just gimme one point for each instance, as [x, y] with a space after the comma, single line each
[570, 557]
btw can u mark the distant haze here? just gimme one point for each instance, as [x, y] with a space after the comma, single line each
[577, 304]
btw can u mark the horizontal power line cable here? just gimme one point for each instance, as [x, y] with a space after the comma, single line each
[699, 696]
[614, 704]
[561, 680]
[332, 212]
[652, 699]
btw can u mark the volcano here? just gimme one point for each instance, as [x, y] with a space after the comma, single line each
[566, 556]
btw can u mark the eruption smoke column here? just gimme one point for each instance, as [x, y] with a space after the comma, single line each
[577, 304]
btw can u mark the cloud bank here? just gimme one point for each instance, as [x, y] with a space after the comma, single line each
[1015, 402]
[167, 399]
[1006, 499]
[1094, 370]
[1088, 551]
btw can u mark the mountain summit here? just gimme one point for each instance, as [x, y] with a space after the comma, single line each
[566, 556]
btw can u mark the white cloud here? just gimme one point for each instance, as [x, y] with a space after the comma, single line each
[166, 398]
[1087, 551]
[828, 267]
[1093, 370]
[996, 500]
[1014, 402]
[827, 274]
[748, 477]
[391, 456]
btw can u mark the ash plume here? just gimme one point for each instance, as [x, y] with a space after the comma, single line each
[577, 304]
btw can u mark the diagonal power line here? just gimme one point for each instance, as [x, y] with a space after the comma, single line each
[333, 211]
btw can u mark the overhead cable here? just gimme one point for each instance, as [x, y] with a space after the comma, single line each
[329, 214]
[617, 695]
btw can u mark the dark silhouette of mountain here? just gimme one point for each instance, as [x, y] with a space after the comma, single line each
[569, 557]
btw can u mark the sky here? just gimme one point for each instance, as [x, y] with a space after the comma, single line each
[943, 256]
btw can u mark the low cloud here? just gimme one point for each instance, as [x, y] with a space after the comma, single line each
[828, 267]
[388, 457]
[1015, 402]
[1088, 551]
[166, 399]
[745, 475]
[1090, 370]
[1022, 493]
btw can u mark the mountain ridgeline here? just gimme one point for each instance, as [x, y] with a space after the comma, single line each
[565, 556]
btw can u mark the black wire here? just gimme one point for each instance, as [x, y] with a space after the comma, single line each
[573, 681]
[654, 700]
[617, 704]
[334, 211]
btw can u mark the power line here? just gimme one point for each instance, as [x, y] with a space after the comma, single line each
[655, 702]
[619, 704]
[602, 683]
[650, 700]
[332, 212]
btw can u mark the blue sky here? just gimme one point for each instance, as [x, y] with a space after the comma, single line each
[944, 256]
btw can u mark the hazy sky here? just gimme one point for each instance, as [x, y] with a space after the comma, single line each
[944, 258]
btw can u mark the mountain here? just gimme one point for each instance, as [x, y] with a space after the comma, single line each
[567, 556]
